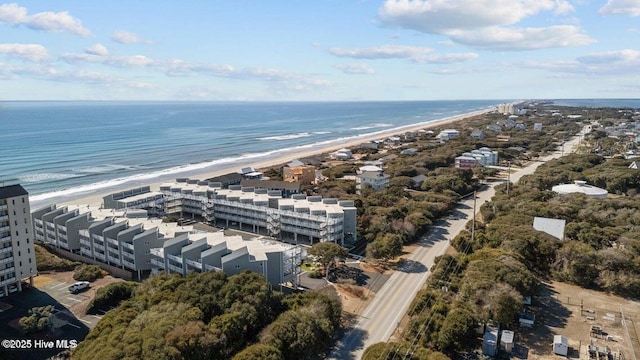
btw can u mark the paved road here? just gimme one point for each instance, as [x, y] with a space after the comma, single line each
[378, 322]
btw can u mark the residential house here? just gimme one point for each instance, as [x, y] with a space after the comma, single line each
[373, 176]
[477, 134]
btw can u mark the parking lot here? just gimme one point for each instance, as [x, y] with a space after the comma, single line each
[59, 290]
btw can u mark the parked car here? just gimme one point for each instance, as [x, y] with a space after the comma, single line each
[79, 286]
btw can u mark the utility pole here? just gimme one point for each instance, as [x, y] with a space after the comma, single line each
[473, 219]
[508, 177]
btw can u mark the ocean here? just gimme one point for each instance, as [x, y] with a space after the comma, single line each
[73, 149]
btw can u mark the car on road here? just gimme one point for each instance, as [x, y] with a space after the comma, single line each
[79, 286]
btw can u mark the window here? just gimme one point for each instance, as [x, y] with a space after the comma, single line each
[23, 199]
[147, 242]
[13, 201]
[29, 262]
[18, 243]
[19, 253]
[29, 250]
[26, 230]
[17, 233]
[27, 240]
[148, 251]
[20, 262]
[237, 266]
[24, 211]
[15, 222]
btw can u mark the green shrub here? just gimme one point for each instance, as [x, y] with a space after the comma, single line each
[316, 274]
[37, 320]
[48, 261]
[88, 273]
[111, 296]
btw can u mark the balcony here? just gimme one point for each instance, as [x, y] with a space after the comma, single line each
[159, 263]
[5, 228]
[63, 244]
[51, 233]
[173, 268]
[84, 233]
[128, 254]
[129, 264]
[3, 207]
[208, 267]
[194, 264]
[113, 259]
[98, 237]
[6, 238]
[175, 258]
[126, 245]
[99, 256]
[113, 242]
[7, 249]
[86, 252]
[7, 270]
[6, 260]
[8, 281]
[86, 243]
[4, 217]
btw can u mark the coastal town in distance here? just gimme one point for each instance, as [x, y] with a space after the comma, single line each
[393, 231]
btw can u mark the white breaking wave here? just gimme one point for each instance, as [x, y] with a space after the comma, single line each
[104, 169]
[286, 137]
[372, 126]
[44, 177]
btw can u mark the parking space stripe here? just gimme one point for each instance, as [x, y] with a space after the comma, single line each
[76, 300]
[53, 285]
[85, 321]
[96, 316]
[61, 285]
[74, 325]
[65, 305]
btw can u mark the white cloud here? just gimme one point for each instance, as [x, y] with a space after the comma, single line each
[621, 7]
[29, 52]
[486, 24]
[618, 62]
[439, 16]
[97, 49]
[13, 14]
[355, 68]
[381, 52]
[414, 53]
[129, 61]
[125, 37]
[501, 38]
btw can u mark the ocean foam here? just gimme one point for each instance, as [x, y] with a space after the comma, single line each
[372, 126]
[286, 137]
[45, 177]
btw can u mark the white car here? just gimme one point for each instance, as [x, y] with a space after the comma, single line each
[79, 286]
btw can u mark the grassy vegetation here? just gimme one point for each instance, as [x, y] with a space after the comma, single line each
[89, 273]
[46, 260]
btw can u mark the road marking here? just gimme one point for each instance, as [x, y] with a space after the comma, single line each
[85, 321]
[65, 305]
[76, 300]
[96, 316]
[74, 325]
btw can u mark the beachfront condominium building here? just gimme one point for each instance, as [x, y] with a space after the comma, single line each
[128, 244]
[300, 218]
[116, 239]
[214, 251]
[17, 256]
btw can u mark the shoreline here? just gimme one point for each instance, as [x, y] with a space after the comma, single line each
[95, 196]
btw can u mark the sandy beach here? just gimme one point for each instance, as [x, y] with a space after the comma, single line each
[95, 199]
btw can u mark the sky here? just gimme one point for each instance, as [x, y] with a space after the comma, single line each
[319, 50]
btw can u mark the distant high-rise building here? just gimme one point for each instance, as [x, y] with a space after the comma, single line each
[17, 256]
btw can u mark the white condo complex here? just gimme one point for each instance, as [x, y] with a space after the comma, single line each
[17, 256]
[127, 236]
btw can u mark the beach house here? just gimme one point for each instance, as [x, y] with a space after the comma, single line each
[372, 175]
[17, 256]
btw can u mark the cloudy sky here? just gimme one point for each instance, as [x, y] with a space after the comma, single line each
[319, 50]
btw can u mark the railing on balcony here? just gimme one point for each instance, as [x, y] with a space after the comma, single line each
[159, 263]
[7, 249]
[98, 237]
[8, 281]
[85, 242]
[6, 238]
[99, 255]
[126, 245]
[174, 268]
[5, 228]
[7, 270]
[193, 263]
[113, 259]
[129, 264]
[175, 258]
[4, 217]
[86, 252]
[128, 254]
[6, 260]
[208, 267]
[113, 242]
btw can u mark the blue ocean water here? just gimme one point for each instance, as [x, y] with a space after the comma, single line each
[75, 148]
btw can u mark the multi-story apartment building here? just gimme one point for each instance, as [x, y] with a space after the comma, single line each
[208, 251]
[301, 218]
[17, 256]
